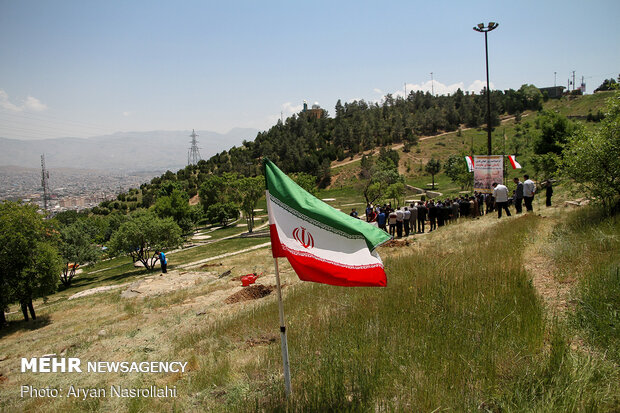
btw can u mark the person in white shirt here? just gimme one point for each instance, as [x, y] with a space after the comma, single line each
[500, 192]
[400, 216]
[529, 188]
[406, 219]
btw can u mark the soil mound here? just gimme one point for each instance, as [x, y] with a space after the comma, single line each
[253, 292]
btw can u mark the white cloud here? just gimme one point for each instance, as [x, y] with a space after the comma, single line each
[34, 104]
[288, 109]
[439, 88]
[377, 90]
[478, 85]
[435, 87]
[126, 114]
[30, 104]
[6, 103]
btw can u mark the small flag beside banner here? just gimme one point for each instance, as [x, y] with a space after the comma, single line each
[513, 162]
[321, 243]
[470, 163]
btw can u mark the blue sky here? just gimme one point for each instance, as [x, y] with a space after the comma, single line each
[86, 68]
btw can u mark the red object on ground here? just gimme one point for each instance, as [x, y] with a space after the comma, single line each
[248, 279]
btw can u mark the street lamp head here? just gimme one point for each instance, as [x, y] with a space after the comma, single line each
[481, 28]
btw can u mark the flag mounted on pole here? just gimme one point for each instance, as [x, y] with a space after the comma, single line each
[513, 162]
[470, 163]
[321, 243]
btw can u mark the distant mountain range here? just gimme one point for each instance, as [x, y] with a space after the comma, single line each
[121, 151]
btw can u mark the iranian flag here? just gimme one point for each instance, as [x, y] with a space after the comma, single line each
[321, 243]
[513, 162]
[470, 163]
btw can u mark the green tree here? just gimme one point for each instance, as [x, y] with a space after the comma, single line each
[30, 261]
[250, 190]
[456, 169]
[306, 181]
[376, 177]
[554, 131]
[395, 192]
[222, 213]
[76, 248]
[546, 165]
[144, 234]
[592, 159]
[433, 167]
[175, 205]
[211, 190]
[608, 84]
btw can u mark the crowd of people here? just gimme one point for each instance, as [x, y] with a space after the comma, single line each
[402, 221]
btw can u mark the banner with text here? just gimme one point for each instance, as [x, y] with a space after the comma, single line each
[488, 169]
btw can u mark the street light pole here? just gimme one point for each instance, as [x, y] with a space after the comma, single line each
[481, 28]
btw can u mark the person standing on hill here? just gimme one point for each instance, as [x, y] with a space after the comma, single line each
[392, 222]
[382, 219]
[164, 262]
[529, 188]
[518, 195]
[413, 219]
[422, 210]
[406, 219]
[400, 217]
[500, 192]
[548, 193]
[432, 215]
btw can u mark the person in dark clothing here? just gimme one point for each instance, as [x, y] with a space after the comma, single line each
[480, 198]
[439, 207]
[382, 219]
[489, 200]
[548, 193]
[464, 207]
[518, 198]
[422, 211]
[446, 212]
[432, 215]
[27, 305]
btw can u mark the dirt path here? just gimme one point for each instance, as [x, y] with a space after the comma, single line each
[555, 294]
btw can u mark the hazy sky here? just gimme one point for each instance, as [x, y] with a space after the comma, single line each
[85, 68]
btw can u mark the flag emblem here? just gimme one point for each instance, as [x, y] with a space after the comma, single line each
[303, 237]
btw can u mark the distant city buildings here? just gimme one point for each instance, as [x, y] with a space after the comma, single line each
[72, 189]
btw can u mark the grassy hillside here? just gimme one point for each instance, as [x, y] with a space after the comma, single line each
[474, 141]
[483, 314]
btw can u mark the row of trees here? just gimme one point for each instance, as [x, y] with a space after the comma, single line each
[39, 254]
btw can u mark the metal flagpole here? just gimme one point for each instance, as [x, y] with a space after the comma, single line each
[287, 370]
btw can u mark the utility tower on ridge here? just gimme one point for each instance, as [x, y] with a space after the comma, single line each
[45, 177]
[193, 155]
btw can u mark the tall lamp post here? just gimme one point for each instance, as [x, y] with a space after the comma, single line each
[481, 28]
